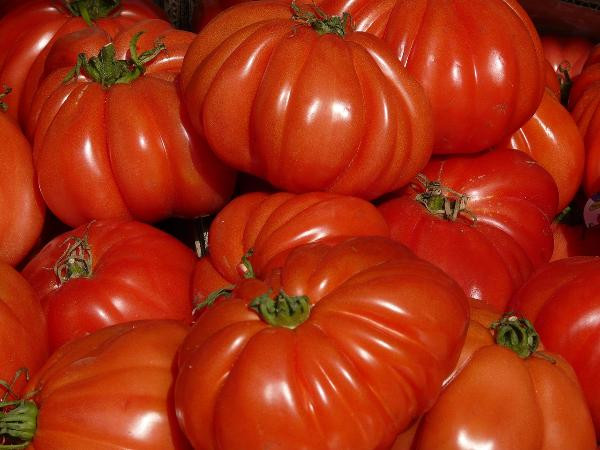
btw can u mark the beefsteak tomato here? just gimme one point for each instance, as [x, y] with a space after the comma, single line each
[562, 301]
[21, 205]
[124, 136]
[110, 389]
[469, 55]
[29, 31]
[107, 272]
[271, 225]
[301, 100]
[485, 219]
[547, 408]
[350, 343]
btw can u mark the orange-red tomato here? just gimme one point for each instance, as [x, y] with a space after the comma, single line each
[271, 225]
[109, 272]
[23, 209]
[552, 138]
[567, 52]
[483, 218]
[124, 150]
[469, 55]
[307, 111]
[496, 399]
[356, 351]
[111, 389]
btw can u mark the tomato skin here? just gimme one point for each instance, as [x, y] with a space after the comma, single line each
[137, 272]
[309, 112]
[562, 302]
[514, 200]
[22, 327]
[137, 166]
[569, 51]
[272, 225]
[29, 32]
[384, 330]
[575, 240]
[468, 55]
[22, 207]
[552, 138]
[547, 409]
[111, 389]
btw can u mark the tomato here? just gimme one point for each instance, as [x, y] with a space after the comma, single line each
[483, 218]
[584, 101]
[552, 80]
[22, 207]
[124, 150]
[29, 31]
[562, 301]
[506, 394]
[309, 111]
[107, 272]
[552, 138]
[110, 389]
[22, 328]
[575, 240]
[469, 55]
[355, 345]
[271, 225]
[567, 52]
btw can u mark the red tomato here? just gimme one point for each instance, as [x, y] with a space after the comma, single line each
[355, 346]
[486, 223]
[567, 52]
[575, 240]
[552, 80]
[108, 272]
[110, 389]
[272, 225]
[22, 328]
[21, 204]
[469, 55]
[547, 408]
[124, 150]
[552, 138]
[562, 301]
[29, 31]
[309, 111]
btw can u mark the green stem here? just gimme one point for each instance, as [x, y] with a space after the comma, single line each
[283, 310]
[443, 201]
[91, 10]
[18, 423]
[321, 22]
[213, 296]
[107, 70]
[245, 268]
[76, 261]
[517, 334]
[565, 82]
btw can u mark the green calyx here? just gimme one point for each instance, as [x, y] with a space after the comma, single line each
[443, 201]
[283, 310]
[321, 22]
[90, 10]
[76, 260]
[18, 418]
[517, 334]
[7, 90]
[107, 70]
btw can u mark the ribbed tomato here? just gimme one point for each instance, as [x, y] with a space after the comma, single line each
[305, 109]
[341, 347]
[483, 218]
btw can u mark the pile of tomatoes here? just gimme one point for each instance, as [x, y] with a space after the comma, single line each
[307, 225]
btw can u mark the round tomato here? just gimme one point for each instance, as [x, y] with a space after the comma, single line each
[469, 55]
[484, 219]
[22, 207]
[119, 145]
[304, 109]
[341, 347]
[506, 393]
[562, 301]
[552, 138]
[107, 272]
[22, 328]
[29, 31]
[271, 225]
[568, 53]
[111, 389]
